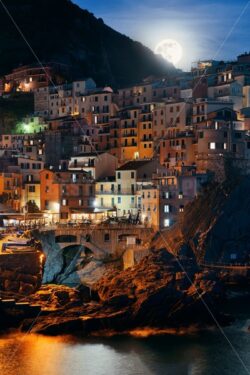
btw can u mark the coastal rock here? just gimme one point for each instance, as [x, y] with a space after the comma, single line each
[55, 297]
[158, 288]
[161, 291]
[215, 226]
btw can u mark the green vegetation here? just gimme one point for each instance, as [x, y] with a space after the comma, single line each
[13, 109]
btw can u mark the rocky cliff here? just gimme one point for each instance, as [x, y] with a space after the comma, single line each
[59, 31]
[215, 227]
[155, 293]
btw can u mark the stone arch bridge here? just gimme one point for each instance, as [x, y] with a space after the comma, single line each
[103, 240]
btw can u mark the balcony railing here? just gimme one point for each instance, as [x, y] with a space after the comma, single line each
[116, 192]
[127, 145]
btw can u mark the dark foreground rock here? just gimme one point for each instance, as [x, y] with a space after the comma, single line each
[160, 292]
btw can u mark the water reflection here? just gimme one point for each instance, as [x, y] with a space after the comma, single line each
[204, 354]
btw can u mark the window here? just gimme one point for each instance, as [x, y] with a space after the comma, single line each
[119, 175]
[106, 237]
[166, 223]
[212, 146]
[166, 208]
[80, 202]
[180, 196]
[237, 135]
[64, 215]
[32, 189]
[64, 202]
[119, 200]
[132, 200]
[132, 174]
[181, 209]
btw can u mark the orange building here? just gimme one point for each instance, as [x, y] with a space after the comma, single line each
[11, 189]
[145, 132]
[178, 149]
[66, 192]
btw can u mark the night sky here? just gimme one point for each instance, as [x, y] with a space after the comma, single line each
[205, 29]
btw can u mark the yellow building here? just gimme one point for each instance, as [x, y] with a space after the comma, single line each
[31, 193]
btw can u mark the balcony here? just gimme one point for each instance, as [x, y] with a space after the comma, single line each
[127, 145]
[129, 126]
[128, 135]
[116, 192]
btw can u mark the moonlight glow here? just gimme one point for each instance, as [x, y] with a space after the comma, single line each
[170, 50]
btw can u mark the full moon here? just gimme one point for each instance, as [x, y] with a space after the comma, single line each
[170, 50]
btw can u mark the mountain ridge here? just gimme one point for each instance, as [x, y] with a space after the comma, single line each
[61, 31]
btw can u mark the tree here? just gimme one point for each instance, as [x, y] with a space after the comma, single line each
[32, 207]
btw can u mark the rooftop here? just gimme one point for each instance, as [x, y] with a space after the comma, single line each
[133, 165]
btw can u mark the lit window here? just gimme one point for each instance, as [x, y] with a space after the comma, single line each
[212, 146]
[181, 209]
[180, 196]
[64, 202]
[166, 208]
[225, 146]
[167, 195]
[166, 223]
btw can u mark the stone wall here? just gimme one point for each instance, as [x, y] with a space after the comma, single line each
[20, 273]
